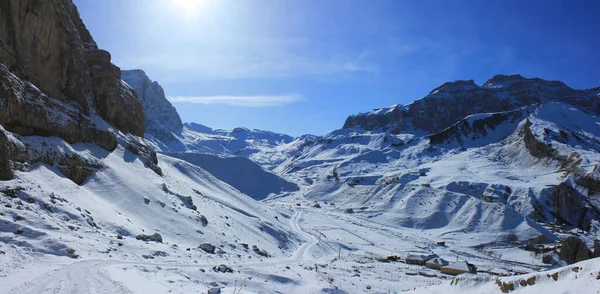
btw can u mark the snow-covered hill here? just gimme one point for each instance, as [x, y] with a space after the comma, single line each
[241, 173]
[485, 174]
[124, 198]
[513, 158]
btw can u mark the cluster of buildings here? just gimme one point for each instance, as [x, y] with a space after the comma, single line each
[435, 262]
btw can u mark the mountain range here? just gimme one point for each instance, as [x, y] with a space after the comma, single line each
[105, 189]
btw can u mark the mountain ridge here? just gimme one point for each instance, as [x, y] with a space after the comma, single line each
[161, 119]
[463, 98]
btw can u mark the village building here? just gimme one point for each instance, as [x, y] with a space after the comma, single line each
[458, 268]
[436, 263]
[419, 259]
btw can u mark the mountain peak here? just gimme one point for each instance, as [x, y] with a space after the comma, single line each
[463, 97]
[161, 118]
[499, 81]
[454, 86]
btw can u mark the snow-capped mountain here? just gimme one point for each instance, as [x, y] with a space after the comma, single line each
[226, 154]
[518, 156]
[261, 146]
[104, 190]
[452, 101]
[161, 119]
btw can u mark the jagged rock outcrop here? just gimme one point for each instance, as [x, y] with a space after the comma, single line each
[76, 168]
[115, 101]
[571, 207]
[591, 181]
[146, 154]
[453, 101]
[27, 111]
[44, 42]
[54, 80]
[6, 172]
[478, 126]
[596, 252]
[574, 250]
[162, 120]
[542, 150]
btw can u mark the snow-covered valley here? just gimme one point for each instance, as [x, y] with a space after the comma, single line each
[103, 189]
[343, 213]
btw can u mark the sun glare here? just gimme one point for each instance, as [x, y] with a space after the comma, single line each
[189, 7]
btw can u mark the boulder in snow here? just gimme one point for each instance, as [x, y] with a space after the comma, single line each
[207, 247]
[156, 237]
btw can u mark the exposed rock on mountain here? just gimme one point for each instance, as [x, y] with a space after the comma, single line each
[27, 111]
[162, 120]
[45, 42]
[115, 101]
[452, 101]
[6, 172]
[479, 126]
[571, 207]
[591, 181]
[574, 250]
[54, 80]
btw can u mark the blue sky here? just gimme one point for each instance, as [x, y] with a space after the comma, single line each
[303, 66]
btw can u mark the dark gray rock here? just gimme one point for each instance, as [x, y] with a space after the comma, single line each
[596, 252]
[207, 247]
[45, 43]
[156, 237]
[223, 269]
[571, 207]
[6, 172]
[574, 250]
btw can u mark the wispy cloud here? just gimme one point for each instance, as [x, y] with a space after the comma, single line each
[231, 66]
[244, 101]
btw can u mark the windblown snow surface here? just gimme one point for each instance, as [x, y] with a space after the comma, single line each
[360, 197]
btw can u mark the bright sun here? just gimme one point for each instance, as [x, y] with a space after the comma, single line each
[189, 7]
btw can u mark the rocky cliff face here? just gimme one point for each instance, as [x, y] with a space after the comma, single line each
[572, 208]
[162, 120]
[452, 101]
[54, 81]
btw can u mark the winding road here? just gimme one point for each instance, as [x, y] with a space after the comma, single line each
[302, 253]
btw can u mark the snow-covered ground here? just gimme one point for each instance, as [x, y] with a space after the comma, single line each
[325, 212]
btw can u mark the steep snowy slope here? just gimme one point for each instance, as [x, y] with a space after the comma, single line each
[241, 173]
[186, 205]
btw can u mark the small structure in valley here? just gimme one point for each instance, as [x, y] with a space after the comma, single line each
[419, 259]
[499, 272]
[458, 268]
[436, 263]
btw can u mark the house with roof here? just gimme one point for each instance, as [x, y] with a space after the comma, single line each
[458, 268]
[436, 263]
[419, 259]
